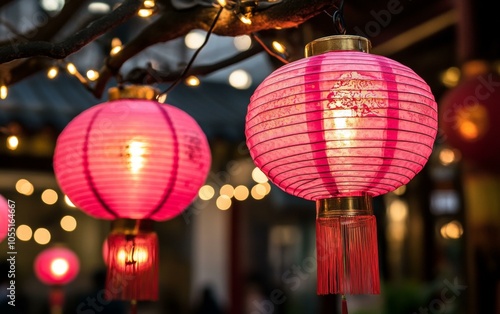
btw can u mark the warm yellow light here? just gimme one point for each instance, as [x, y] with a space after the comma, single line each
[245, 19]
[241, 193]
[242, 43]
[71, 68]
[24, 233]
[447, 156]
[227, 189]
[59, 267]
[400, 191]
[222, 3]
[162, 98]
[240, 79]
[194, 39]
[206, 192]
[258, 192]
[398, 211]
[92, 75]
[472, 122]
[259, 176]
[278, 47]
[24, 187]
[139, 255]
[42, 236]
[452, 230]
[68, 201]
[192, 81]
[149, 4]
[223, 202]
[12, 142]
[68, 223]
[49, 196]
[52, 72]
[4, 91]
[135, 154]
[145, 12]
[266, 186]
[450, 77]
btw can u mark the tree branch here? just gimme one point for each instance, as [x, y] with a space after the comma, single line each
[74, 43]
[174, 23]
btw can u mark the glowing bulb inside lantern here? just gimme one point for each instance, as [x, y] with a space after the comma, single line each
[132, 256]
[340, 125]
[59, 267]
[135, 156]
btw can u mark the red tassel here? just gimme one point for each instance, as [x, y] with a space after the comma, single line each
[347, 255]
[132, 267]
[344, 305]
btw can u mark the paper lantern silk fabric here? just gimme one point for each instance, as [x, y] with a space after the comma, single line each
[342, 123]
[131, 158]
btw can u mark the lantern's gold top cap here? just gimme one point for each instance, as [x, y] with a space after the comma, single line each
[336, 43]
[133, 92]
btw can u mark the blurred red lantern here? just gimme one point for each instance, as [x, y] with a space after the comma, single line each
[132, 160]
[4, 218]
[469, 117]
[340, 127]
[56, 266]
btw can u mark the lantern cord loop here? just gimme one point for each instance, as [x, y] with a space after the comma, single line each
[266, 48]
[338, 19]
[190, 63]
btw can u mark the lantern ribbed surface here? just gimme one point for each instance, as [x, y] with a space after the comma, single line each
[56, 266]
[342, 123]
[132, 158]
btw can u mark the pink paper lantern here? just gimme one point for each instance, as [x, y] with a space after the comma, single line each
[132, 161]
[56, 266]
[132, 158]
[4, 218]
[340, 127]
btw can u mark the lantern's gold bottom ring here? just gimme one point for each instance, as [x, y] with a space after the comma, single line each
[344, 206]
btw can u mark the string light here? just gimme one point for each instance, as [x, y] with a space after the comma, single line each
[116, 46]
[92, 75]
[12, 142]
[71, 68]
[145, 12]
[52, 72]
[192, 80]
[149, 4]
[245, 18]
[268, 50]
[279, 47]
[4, 91]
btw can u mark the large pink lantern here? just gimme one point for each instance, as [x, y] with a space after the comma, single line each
[4, 218]
[132, 160]
[340, 127]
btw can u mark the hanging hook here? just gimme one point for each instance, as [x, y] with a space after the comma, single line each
[338, 19]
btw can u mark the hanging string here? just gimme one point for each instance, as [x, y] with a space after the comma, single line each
[338, 19]
[190, 63]
[266, 48]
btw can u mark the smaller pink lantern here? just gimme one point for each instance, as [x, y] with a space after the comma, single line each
[56, 266]
[4, 218]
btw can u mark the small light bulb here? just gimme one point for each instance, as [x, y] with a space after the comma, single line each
[145, 12]
[245, 19]
[148, 4]
[92, 75]
[52, 72]
[222, 3]
[71, 68]
[278, 47]
[192, 81]
[4, 91]
[12, 142]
